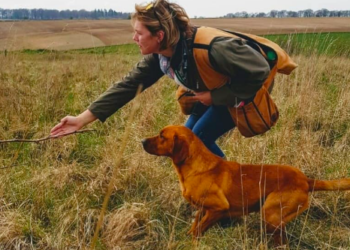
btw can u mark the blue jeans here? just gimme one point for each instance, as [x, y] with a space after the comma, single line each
[209, 123]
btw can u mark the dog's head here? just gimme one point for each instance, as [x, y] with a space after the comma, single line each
[172, 141]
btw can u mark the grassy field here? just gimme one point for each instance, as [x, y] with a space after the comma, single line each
[51, 192]
[315, 43]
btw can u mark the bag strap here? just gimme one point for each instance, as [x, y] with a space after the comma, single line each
[269, 53]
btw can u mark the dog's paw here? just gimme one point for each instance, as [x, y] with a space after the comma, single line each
[195, 238]
[190, 232]
[196, 233]
[282, 247]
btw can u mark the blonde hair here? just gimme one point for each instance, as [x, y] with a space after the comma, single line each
[166, 16]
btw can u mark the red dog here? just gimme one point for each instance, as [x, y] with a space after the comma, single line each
[222, 189]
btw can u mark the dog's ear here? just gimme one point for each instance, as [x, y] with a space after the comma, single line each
[180, 150]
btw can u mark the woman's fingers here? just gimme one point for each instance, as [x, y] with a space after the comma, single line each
[57, 132]
[59, 128]
[55, 129]
[203, 97]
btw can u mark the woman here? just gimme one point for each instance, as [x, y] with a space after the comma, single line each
[166, 38]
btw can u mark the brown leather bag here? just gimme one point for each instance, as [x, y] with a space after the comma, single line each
[256, 117]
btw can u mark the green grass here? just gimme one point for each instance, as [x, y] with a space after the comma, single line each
[129, 49]
[123, 48]
[311, 43]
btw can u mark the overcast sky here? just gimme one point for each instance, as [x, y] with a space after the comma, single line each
[197, 8]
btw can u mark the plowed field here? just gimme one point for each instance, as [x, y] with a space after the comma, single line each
[74, 34]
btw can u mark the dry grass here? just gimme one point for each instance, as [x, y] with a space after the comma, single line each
[51, 193]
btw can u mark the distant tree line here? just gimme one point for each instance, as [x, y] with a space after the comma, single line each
[45, 14]
[286, 13]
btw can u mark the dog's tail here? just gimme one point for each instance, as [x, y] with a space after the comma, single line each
[322, 185]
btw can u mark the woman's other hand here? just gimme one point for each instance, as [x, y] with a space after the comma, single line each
[204, 97]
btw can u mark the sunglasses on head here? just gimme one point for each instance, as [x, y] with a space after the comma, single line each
[151, 6]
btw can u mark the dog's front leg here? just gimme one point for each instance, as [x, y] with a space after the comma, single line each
[214, 199]
[210, 217]
[199, 214]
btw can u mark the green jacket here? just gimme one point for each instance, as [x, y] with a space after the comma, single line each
[246, 68]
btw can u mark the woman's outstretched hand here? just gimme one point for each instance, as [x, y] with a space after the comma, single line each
[70, 124]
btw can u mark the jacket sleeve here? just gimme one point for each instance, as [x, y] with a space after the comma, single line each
[146, 72]
[246, 68]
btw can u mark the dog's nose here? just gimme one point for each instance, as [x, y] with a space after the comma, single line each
[144, 142]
